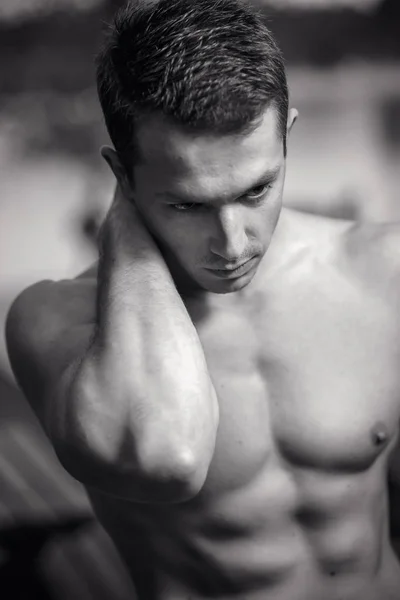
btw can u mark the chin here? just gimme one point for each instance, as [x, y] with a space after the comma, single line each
[229, 286]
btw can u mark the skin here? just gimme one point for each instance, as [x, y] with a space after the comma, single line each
[302, 348]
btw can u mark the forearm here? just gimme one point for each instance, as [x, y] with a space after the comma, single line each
[146, 402]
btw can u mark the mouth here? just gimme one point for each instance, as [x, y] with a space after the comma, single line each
[231, 272]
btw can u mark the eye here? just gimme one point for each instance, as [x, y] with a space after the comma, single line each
[187, 206]
[258, 191]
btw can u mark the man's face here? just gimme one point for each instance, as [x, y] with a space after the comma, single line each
[212, 202]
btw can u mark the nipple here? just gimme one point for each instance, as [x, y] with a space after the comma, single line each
[379, 434]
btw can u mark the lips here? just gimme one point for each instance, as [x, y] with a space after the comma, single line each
[231, 268]
[231, 272]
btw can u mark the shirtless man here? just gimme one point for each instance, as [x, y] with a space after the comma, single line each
[225, 381]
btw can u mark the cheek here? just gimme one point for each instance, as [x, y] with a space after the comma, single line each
[263, 223]
[267, 217]
[180, 235]
[273, 208]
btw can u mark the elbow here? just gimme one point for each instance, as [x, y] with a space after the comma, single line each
[192, 474]
[177, 475]
[102, 451]
[171, 482]
[163, 477]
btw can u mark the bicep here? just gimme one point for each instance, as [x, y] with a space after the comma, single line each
[47, 329]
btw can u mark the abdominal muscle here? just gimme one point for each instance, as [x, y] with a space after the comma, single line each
[261, 542]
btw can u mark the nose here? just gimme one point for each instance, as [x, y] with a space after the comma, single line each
[229, 237]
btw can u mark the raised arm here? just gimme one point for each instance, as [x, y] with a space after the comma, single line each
[118, 377]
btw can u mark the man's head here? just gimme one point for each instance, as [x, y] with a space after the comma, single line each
[196, 104]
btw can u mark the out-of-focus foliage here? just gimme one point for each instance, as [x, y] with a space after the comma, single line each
[55, 46]
[363, 5]
[25, 9]
[17, 9]
[324, 38]
[47, 75]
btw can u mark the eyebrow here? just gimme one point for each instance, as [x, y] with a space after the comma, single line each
[267, 177]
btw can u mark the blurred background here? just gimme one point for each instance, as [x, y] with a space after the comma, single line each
[343, 59]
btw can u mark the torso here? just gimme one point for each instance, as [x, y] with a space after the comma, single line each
[294, 506]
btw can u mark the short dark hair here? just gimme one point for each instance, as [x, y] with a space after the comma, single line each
[211, 65]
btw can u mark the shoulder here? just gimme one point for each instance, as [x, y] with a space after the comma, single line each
[46, 308]
[381, 238]
[367, 255]
[374, 248]
[48, 328]
[46, 298]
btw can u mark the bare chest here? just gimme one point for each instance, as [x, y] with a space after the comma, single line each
[306, 375]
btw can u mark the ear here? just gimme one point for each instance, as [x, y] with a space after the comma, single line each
[292, 118]
[112, 159]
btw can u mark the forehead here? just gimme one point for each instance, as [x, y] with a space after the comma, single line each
[174, 159]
